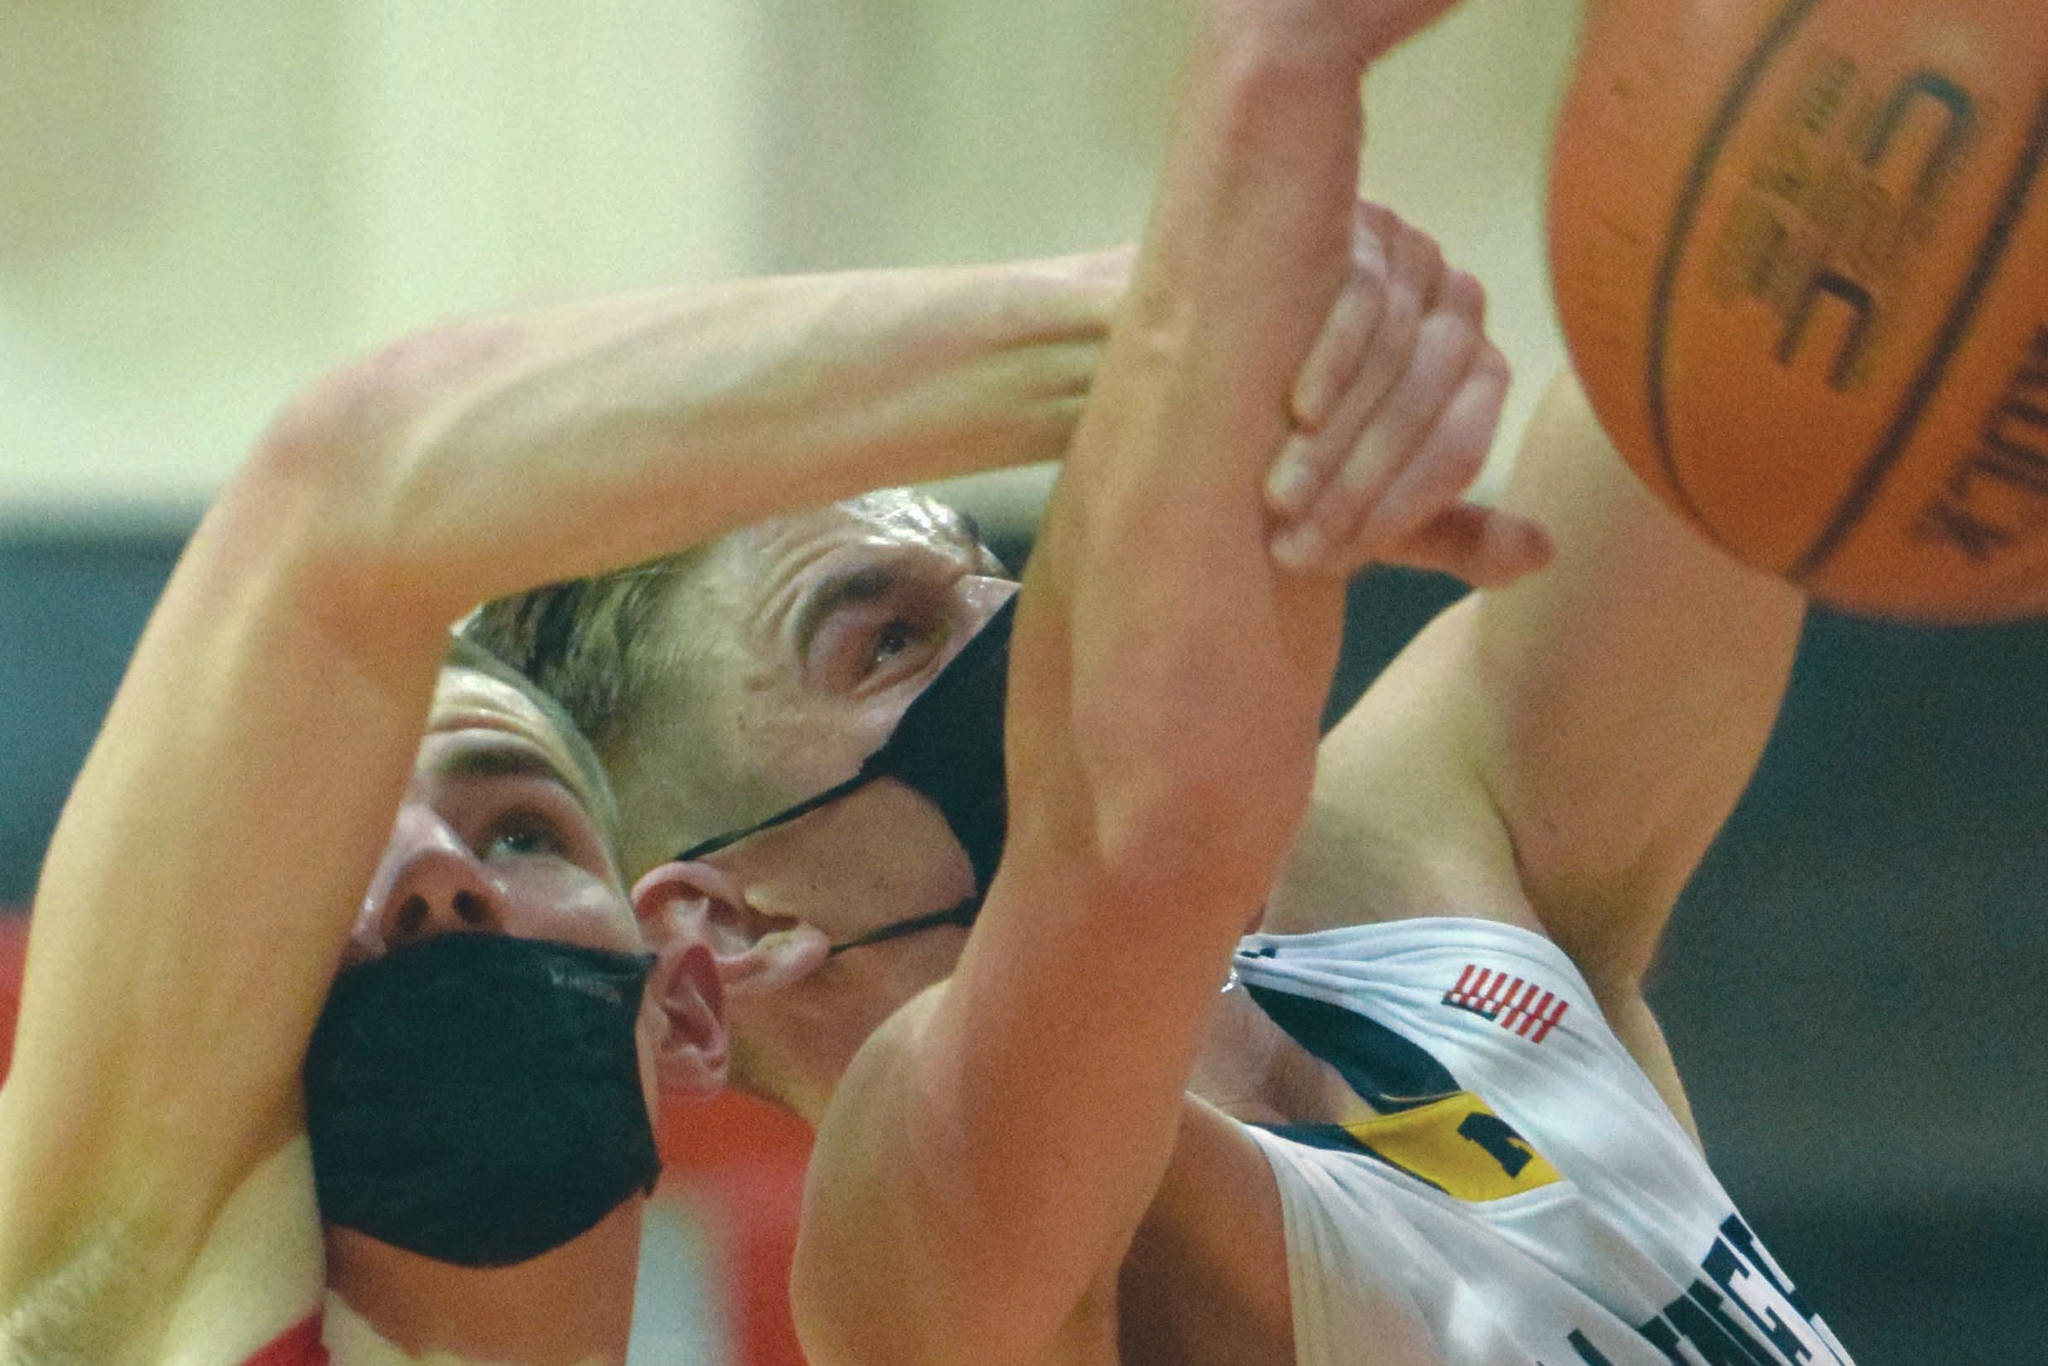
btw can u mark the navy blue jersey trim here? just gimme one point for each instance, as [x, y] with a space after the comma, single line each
[1389, 1073]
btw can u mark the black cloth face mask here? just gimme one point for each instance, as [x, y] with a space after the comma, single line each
[947, 745]
[476, 1098]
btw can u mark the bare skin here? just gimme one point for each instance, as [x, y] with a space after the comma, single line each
[992, 1152]
[1502, 770]
[239, 800]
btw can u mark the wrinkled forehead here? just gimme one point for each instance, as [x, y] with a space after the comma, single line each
[466, 700]
[887, 517]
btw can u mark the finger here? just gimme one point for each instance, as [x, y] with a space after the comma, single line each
[1485, 547]
[1339, 530]
[1340, 346]
[1426, 258]
[1447, 454]
[1306, 462]
[1329, 376]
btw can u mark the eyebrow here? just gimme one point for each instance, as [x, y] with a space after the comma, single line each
[870, 582]
[494, 759]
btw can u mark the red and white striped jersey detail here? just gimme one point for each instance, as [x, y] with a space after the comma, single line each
[1522, 1007]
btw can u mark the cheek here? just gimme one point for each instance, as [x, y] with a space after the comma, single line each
[803, 743]
[896, 842]
[572, 907]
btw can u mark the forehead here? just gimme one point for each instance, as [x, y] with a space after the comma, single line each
[889, 518]
[489, 713]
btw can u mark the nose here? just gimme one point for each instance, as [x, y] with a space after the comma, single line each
[983, 594]
[429, 883]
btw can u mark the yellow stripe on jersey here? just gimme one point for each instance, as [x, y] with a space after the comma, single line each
[1459, 1145]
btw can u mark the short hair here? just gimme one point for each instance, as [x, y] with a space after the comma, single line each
[634, 655]
[466, 653]
[594, 643]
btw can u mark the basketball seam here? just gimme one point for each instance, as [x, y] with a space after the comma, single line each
[1856, 504]
[1781, 31]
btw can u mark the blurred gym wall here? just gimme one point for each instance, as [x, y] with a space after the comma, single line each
[204, 203]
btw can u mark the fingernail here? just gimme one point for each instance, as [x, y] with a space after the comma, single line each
[1287, 482]
[1315, 387]
[1313, 390]
[1297, 548]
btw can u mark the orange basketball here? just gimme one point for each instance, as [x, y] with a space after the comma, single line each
[1801, 254]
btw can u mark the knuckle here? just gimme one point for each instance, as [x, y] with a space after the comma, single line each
[1429, 255]
[1368, 269]
[1376, 220]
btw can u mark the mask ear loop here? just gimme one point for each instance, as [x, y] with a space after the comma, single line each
[962, 915]
[802, 808]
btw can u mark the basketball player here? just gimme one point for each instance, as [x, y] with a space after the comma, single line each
[477, 1078]
[1433, 1120]
[478, 1102]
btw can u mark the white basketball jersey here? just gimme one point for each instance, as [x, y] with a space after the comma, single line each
[1514, 1191]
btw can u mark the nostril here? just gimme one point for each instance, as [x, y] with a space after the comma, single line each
[411, 917]
[469, 908]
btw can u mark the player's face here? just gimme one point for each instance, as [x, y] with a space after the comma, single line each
[495, 834]
[818, 630]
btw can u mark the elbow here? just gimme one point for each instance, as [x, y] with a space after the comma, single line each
[340, 479]
[350, 432]
[307, 498]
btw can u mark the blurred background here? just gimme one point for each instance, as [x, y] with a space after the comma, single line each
[204, 203]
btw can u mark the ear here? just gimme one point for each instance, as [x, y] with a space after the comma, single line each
[694, 1054]
[753, 953]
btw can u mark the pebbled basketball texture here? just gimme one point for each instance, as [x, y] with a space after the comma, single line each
[1800, 250]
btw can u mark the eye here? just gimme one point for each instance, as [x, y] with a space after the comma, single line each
[525, 835]
[897, 646]
[893, 639]
[863, 647]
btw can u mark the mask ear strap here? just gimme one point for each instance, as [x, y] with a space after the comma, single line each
[962, 915]
[802, 808]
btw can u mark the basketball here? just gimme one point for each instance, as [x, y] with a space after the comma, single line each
[1800, 250]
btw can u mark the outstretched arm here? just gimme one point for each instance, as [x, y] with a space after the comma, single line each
[210, 859]
[992, 1149]
[1559, 754]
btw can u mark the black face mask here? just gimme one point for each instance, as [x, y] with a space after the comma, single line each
[948, 745]
[476, 1098]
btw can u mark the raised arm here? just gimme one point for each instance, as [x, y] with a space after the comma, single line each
[213, 852]
[990, 1152]
[1562, 753]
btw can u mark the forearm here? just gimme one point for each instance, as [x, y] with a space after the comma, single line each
[1173, 619]
[486, 456]
[1164, 687]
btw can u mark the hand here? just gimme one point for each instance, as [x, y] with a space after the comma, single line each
[1394, 411]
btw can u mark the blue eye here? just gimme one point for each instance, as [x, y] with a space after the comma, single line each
[525, 838]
